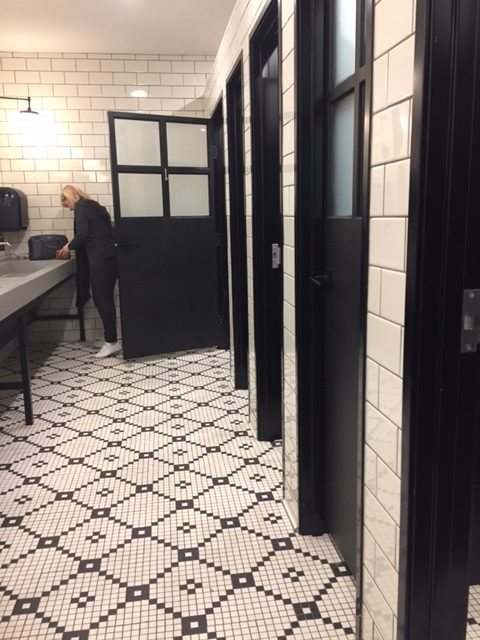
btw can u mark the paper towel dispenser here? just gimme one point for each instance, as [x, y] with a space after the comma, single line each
[13, 209]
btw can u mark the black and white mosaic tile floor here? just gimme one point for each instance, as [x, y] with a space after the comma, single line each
[138, 505]
[473, 620]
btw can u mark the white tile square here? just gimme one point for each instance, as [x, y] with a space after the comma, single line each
[374, 289]
[393, 23]
[370, 471]
[386, 579]
[391, 134]
[381, 436]
[380, 525]
[390, 396]
[377, 190]
[400, 71]
[384, 343]
[387, 243]
[392, 305]
[388, 490]
[380, 83]
[397, 188]
[372, 381]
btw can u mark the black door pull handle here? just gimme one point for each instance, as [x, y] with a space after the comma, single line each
[322, 279]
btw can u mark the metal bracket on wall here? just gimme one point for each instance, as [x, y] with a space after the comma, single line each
[470, 321]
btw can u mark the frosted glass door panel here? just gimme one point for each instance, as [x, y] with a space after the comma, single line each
[187, 145]
[140, 195]
[189, 195]
[344, 38]
[341, 180]
[138, 142]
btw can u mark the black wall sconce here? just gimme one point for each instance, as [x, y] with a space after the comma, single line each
[27, 110]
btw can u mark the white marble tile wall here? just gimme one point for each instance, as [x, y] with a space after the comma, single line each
[70, 141]
[290, 451]
[389, 190]
[235, 43]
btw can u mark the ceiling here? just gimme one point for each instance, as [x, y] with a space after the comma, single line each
[189, 27]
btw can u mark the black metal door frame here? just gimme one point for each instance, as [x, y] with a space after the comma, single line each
[221, 226]
[440, 407]
[267, 226]
[308, 216]
[238, 227]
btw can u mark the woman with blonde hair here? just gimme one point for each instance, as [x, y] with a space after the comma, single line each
[93, 233]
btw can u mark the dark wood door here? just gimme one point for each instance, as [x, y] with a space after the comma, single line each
[238, 227]
[165, 226]
[267, 230]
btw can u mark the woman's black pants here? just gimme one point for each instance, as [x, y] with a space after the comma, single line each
[103, 276]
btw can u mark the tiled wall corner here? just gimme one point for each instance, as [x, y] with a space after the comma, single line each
[69, 140]
[389, 190]
[290, 448]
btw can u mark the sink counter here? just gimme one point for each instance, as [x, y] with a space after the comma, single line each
[23, 285]
[22, 281]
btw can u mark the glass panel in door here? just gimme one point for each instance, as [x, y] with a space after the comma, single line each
[344, 39]
[141, 195]
[341, 157]
[137, 142]
[187, 145]
[189, 195]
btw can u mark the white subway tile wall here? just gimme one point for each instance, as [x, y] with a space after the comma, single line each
[69, 140]
[389, 190]
[290, 449]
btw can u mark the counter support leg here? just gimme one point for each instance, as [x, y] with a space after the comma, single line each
[81, 320]
[27, 394]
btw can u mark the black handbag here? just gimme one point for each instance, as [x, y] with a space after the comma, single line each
[45, 247]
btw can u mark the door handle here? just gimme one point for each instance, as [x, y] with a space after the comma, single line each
[323, 279]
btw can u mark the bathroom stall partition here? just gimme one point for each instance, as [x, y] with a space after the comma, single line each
[440, 534]
[267, 222]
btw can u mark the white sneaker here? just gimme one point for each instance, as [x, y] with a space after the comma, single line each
[108, 349]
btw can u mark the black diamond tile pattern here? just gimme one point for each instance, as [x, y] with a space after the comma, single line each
[139, 505]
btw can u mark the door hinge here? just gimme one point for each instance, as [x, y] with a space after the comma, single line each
[220, 321]
[358, 614]
[470, 334]
[215, 151]
[218, 239]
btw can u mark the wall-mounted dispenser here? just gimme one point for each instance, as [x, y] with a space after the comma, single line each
[13, 209]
